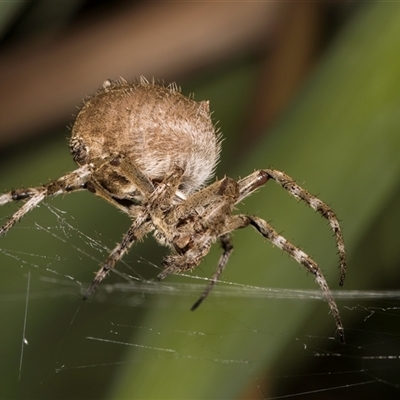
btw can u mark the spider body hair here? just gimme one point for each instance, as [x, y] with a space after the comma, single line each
[148, 150]
[154, 126]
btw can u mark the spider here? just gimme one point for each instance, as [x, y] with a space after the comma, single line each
[149, 150]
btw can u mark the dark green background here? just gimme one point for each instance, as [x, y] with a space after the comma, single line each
[341, 140]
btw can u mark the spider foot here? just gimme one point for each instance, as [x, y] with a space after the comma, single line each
[101, 274]
[89, 291]
[340, 334]
[198, 302]
[169, 268]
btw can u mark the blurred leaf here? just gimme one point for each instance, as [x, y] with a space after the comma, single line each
[342, 137]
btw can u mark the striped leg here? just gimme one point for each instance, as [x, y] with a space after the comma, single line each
[259, 178]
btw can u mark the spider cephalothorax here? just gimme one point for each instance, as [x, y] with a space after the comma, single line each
[149, 151]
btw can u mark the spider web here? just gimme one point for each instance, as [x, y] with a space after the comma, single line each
[53, 339]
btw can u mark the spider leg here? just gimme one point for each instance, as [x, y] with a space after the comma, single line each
[303, 259]
[227, 251]
[121, 178]
[160, 199]
[18, 194]
[252, 182]
[137, 231]
[199, 221]
[73, 181]
[35, 199]
[151, 211]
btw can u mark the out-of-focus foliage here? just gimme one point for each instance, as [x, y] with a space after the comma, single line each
[340, 139]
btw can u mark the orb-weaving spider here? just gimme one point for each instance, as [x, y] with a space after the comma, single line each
[148, 150]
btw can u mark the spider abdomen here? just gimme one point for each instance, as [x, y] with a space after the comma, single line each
[155, 126]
